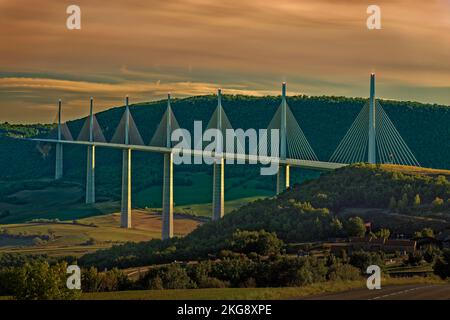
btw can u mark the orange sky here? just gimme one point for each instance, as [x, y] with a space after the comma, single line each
[145, 48]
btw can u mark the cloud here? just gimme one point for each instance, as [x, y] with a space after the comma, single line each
[38, 95]
[319, 46]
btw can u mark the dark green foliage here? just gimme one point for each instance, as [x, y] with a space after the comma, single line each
[259, 242]
[355, 227]
[239, 270]
[431, 254]
[369, 186]
[442, 265]
[340, 271]
[37, 281]
[289, 220]
[111, 280]
[325, 120]
[290, 216]
[363, 259]
[414, 259]
[20, 259]
[172, 276]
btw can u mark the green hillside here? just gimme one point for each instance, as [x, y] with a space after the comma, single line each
[294, 219]
[324, 121]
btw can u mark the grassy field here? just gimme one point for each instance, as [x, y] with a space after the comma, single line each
[89, 234]
[200, 192]
[204, 210]
[34, 199]
[250, 293]
[415, 170]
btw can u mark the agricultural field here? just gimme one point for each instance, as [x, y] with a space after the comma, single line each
[85, 235]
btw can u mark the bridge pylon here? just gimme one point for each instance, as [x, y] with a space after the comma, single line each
[218, 205]
[373, 138]
[125, 213]
[283, 169]
[90, 172]
[59, 148]
[167, 197]
[372, 156]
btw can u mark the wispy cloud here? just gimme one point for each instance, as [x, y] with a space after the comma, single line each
[147, 47]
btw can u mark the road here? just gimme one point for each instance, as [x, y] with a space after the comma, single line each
[403, 292]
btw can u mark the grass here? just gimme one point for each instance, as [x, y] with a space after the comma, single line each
[251, 293]
[204, 210]
[415, 170]
[93, 233]
[43, 198]
[200, 192]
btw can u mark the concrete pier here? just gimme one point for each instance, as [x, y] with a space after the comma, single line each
[167, 196]
[372, 157]
[59, 161]
[167, 201]
[59, 148]
[283, 170]
[125, 217]
[218, 205]
[90, 175]
[282, 178]
[90, 167]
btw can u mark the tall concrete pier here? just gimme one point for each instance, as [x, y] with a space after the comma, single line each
[372, 157]
[59, 148]
[218, 169]
[167, 198]
[90, 172]
[125, 218]
[283, 169]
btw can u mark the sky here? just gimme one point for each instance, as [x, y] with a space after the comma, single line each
[146, 48]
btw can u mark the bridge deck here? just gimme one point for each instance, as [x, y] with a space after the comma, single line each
[248, 158]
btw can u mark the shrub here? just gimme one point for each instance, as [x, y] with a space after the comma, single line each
[344, 272]
[172, 276]
[363, 259]
[260, 242]
[355, 227]
[442, 265]
[40, 281]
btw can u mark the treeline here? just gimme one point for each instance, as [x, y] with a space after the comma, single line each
[324, 120]
[291, 221]
[372, 186]
[254, 259]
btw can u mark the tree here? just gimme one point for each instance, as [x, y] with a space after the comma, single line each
[392, 204]
[437, 203]
[383, 233]
[40, 281]
[260, 242]
[355, 227]
[424, 233]
[172, 276]
[363, 259]
[416, 202]
[403, 203]
[442, 265]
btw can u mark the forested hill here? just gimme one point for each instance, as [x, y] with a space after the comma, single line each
[324, 120]
[406, 203]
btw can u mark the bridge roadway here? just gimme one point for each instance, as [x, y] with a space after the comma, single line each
[305, 164]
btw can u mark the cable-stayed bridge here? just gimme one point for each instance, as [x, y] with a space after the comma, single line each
[371, 138]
